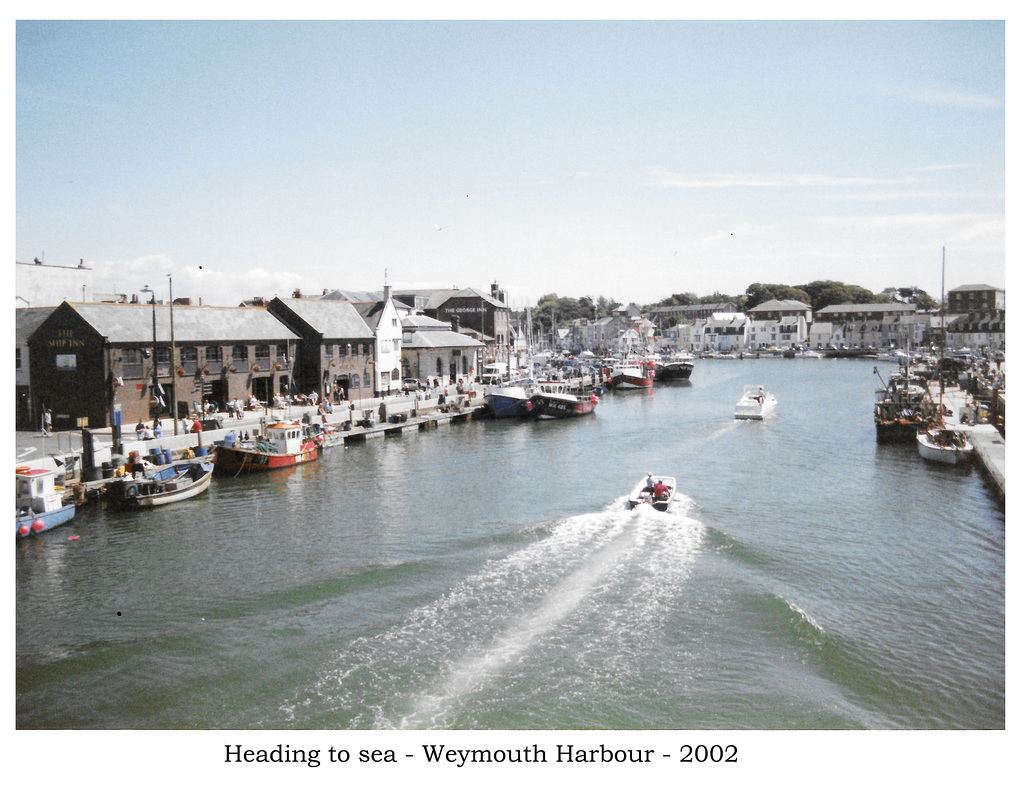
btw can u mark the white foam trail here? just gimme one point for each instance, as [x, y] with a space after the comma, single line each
[471, 673]
[631, 566]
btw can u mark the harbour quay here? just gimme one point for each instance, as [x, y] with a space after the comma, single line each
[88, 461]
[988, 441]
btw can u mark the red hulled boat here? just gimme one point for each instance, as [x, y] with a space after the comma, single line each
[283, 444]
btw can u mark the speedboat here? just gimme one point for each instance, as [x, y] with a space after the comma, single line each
[657, 491]
[943, 444]
[755, 404]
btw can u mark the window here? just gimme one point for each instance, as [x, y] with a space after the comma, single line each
[239, 357]
[131, 364]
[282, 354]
[190, 359]
[263, 356]
[214, 357]
[17, 358]
[67, 362]
[163, 359]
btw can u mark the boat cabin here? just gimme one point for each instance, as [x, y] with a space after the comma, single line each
[285, 437]
[35, 490]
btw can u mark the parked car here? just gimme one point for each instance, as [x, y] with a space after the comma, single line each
[410, 385]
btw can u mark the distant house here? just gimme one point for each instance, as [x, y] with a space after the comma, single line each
[976, 298]
[724, 332]
[872, 325]
[782, 324]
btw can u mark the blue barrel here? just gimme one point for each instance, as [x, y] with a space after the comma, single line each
[156, 455]
[200, 451]
[229, 439]
[167, 455]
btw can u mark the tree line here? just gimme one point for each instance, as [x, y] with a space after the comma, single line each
[563, 311]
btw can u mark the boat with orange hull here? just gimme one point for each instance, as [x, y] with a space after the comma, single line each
[281, 445]
[555, 402]
[632, 376]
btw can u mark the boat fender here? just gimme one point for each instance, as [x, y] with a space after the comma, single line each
[38, 525]
[73, 537]
[23, 529]
[593, 398]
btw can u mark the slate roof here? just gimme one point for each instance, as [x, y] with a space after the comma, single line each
[780, 305]
[331, 318]
[26, 320]
[133, 323]
[440, 339]
[868, 308]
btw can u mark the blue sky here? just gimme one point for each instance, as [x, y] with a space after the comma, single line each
[630, 160]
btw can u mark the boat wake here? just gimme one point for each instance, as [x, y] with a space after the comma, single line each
[604, 578]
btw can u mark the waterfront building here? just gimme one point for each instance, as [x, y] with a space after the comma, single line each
[487, 315]
[432, 350]
[336, 347]
[384, 318]
[95, 363]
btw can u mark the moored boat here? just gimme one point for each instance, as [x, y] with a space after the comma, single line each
[943, 444]
[39, 506]
[174, 483]
[632, 376]
[283, 444]
[902, 408]
[676, 371]
[511, 399]
[655, 490]
[553, 401]
[756, 403]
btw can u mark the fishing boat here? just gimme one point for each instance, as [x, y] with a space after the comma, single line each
[511, 399]
[676, 371]
[171, 484]
[281, 445]
[554, 401]
[902, 408]
[655, 490]
[756, 403]
[632, 376]
[39, 505]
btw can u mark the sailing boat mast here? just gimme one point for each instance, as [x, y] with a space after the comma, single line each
[942, 319]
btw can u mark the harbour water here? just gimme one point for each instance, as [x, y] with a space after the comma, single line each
[487, 575]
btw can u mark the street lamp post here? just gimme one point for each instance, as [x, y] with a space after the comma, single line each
[152, 302]
[174, 381]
